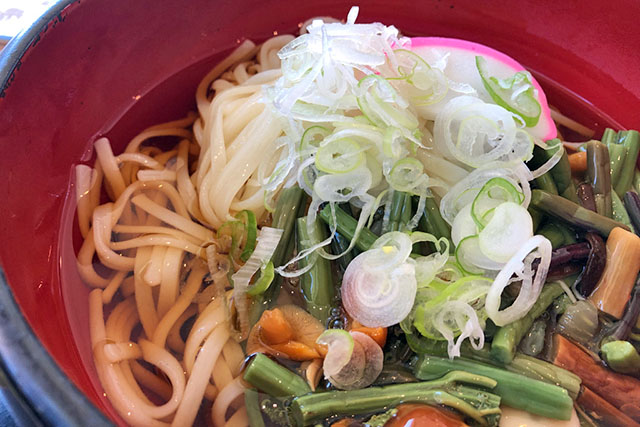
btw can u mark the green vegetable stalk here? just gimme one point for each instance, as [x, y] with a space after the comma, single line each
[432, 222]
[346, 225]
[274, 379]
[632, 204]
[609, 136]
[631, 141]
[507, 338]
[536, 217]
[621, 356]
[316, 284]
[406, 214]
[338, 245]
[620, 214]
[545, 182]
[515, 390]
[573, 213]
[599, 175]
[287, 208]
[453, 390]
[284, 217]
[521, 364]
[552, 231]
[561, 174]
[617, 153]
[397, 205]
[558, 180]
[252, 403]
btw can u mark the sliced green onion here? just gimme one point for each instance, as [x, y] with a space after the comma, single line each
[493, 193]
[266, 278]
[235, 230]
[509, 228]
[429, 84]
[463, 252]
[427, 267]
[379, 285]
[407, 174]
[463, 225]
[248, 218]
[478, 133]
[340, 344]
[470, 290]
[380, 102]
[392, 142]
[448, 274]
[312, 137]
[339, 156]
[515, 94]
[267, 243]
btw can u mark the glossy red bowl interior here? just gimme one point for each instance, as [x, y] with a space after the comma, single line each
[104, 67]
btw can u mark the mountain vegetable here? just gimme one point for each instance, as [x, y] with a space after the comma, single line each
[631, 141]
[632, 203]
[623, 264]
[578, 161]
[621, 356]
[346, 226]
[599, 175]
[595, 267]
[454, 389]
[521, 364]
[573, 213]
[252, 403]
[579, 322]
[619, 212]
[274, 379]
[515, 390]
[508, 337]
[316, 284]
[621, 391]
[586, 197]
[604, 411]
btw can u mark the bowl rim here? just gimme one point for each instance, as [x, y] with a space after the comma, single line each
[35, 376]
[14, 50]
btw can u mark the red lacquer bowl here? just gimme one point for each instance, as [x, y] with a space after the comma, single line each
[104, 67]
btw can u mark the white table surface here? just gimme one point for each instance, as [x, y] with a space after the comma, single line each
[16, 15]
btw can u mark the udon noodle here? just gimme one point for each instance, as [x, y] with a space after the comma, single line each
[150, 240]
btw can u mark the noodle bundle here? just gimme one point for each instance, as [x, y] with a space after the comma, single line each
[161, 339]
